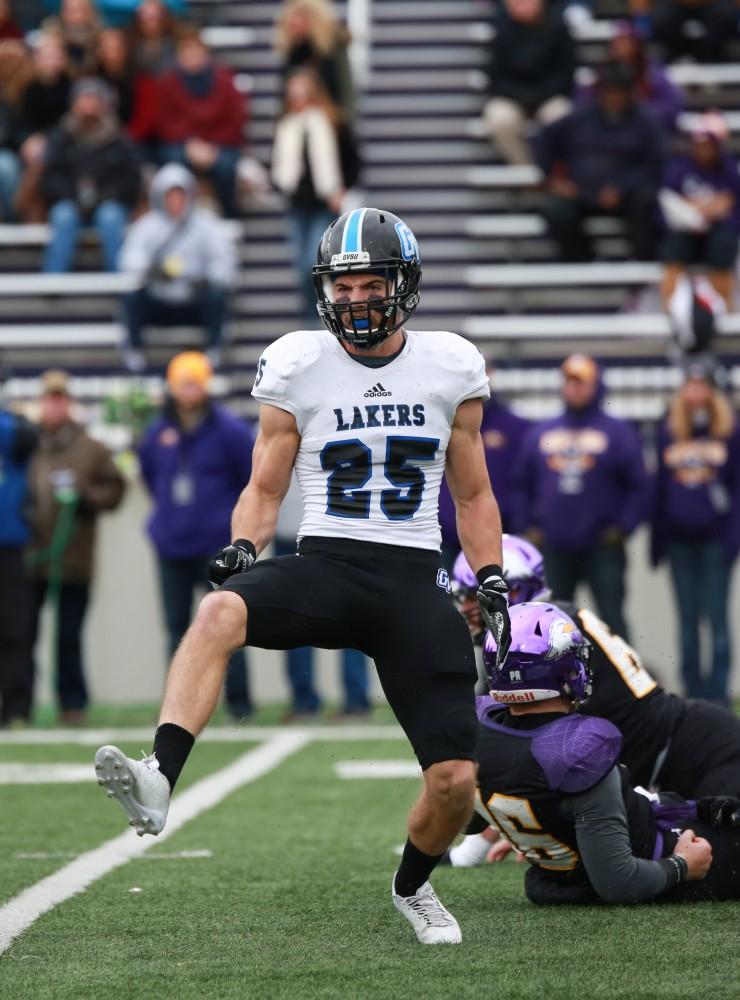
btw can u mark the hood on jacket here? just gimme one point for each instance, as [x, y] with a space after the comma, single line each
[585, 368]
[171, 175]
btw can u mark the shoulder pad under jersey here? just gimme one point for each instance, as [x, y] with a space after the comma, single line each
[288, 356]
[577, 751]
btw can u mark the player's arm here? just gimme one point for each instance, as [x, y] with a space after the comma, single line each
[602, 834]
[477, 513]
[256, 511]
[478, 520]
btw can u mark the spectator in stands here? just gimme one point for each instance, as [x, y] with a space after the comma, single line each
[185, 262]
[672, 24]
[91, 174]
[603, 159]
[72, 479]
[582, 454]
[14, 74]
[9, 27]
[202, 117]
[18, 439]
[136, 93]
[77, 25]
[44, 103]
[307, 169]
[305, 699]
[309, 35]
[701, 208]
[530, 73]
[195, 460]
[153, 37]
[503, 434]
[654, 89]
[696, 520]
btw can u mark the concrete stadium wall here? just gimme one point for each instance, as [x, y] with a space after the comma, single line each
[125, 640]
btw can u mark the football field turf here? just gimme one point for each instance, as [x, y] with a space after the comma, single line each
[282, 889]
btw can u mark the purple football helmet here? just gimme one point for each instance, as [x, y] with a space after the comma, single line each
[524, 571]
[549, 657]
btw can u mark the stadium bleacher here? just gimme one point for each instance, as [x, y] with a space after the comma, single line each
[489, 268]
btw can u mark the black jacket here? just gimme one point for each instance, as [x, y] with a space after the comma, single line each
[111, 167]
[531, 64]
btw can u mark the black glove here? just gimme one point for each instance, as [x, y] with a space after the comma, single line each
[494, 608]
[231, 559]
[719, 810]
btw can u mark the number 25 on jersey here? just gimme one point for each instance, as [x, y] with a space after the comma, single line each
[350, 465]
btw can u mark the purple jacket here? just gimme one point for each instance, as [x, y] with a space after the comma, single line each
[502, 432]
[195, 479]
[696, 493]
[684, 175]
[578, 475]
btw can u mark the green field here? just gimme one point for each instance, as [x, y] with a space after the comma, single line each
[292, 900]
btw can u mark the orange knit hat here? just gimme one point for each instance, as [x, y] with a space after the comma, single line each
[190, 366]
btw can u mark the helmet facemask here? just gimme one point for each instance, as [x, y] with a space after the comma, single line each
[353, 322]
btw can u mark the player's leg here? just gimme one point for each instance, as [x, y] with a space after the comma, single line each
[199, 664]
[564, 571]
[428, 675]
[281, 603]
[715, 575]
[704, 753]
[143, 788]
[685, 572]
[605, 572]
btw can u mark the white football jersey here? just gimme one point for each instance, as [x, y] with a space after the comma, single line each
[373, 440]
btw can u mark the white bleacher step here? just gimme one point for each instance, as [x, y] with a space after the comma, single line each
[440, 32]
[504, 176]
[439, 127]
[92, 283]
[420, 80]
[59, 335]
[425, 175]
[228, 37]
[562, 275]
[683, 74]
[37, 234]
[424, 151]
[627, 326]
[530, 224]
[430, 10]
[427, 56]
[476, 128]
[632, 378]
[458, 103]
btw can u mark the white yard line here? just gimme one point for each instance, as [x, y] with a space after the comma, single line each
[44, 774]
[23, 910]
[215, 734]
[56, 855]
[377, 769]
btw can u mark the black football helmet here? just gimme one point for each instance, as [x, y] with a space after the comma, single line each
[368, 241]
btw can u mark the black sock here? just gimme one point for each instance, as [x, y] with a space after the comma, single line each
[172, 744]
[415, 869]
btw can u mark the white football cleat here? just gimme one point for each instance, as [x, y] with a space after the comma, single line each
[139, 786]
[431, 921]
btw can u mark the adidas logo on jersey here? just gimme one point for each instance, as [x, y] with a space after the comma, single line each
[377, 390]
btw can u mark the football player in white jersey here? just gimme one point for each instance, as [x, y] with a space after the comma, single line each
[371, 415]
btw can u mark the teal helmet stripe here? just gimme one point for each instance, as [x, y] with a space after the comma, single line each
[352, 236]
